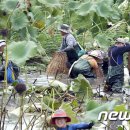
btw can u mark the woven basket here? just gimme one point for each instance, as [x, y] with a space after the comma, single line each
[57, 64]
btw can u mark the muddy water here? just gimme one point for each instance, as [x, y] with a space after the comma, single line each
[36, 79]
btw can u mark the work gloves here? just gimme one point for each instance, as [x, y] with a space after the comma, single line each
[90, 125]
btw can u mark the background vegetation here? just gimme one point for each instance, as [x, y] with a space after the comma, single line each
[30, 29]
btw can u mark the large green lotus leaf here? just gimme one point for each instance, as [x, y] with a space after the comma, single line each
[72, 5]
[85, 21]
[103, 8]
[82, 87]
[92, 105]
[22, 33]
[107, 10]
[38, 13]
[51, 20]
[33, 31]
[68, 109]
[50, 3]
[9, 5]
[86, 8]
[92, 115]
[19, 20]
[21, 51]
[116, 14]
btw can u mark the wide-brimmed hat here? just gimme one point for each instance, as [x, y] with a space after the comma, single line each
[2, 43]
[58, 114]
[65, 28]
[96, 53]
[120, 40]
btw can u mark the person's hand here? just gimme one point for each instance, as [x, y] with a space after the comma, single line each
[91, 125]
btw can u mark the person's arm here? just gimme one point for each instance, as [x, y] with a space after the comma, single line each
[82, 126]
[96, 69]
[98, 72]
[68, 48]
[121, 50]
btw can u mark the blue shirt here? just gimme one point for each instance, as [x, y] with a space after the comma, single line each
[75, 126]
[115, 54]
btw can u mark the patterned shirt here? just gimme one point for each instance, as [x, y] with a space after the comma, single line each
[91, 61]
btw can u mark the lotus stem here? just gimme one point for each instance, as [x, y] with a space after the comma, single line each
[21, 112]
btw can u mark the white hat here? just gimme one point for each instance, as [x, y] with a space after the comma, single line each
[96, 53]
[121, 40]
[2, 43]
[65, 28]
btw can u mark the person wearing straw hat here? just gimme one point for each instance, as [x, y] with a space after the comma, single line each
[60, 119]
[115, 76]
[88, 65]
[69, 44]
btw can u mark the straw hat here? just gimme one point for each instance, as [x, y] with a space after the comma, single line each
[59, 113]
[120, 40]
[96, 53]
[65, 28]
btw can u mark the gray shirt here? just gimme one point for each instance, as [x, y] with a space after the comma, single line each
[68, 42]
